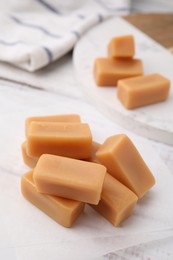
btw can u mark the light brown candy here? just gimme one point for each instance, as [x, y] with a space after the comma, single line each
[107, 71]
[69, 178]
[63, 211]
[28, 160]
[143, 90]
[123, 161]
[73, 118]
[117, 201]
[32, 161]
[66, 139]
[122, 46]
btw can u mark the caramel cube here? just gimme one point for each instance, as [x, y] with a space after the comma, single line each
[117, 201]
[122, 47]
[143, 90]
[108, 71]
[123, 161]
[28, 160]
[32, 161]
[69, 178]
[66, 139]
[63, 211]
[73, 118]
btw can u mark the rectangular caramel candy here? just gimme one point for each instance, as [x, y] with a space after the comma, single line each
[107, 71]
[69, 178]
[143, 90]
[66, 139]
[74, 118]
[117, 201]
[32, 161]
[28, 160]
[63, 211]
[123, 161]
[122, 47]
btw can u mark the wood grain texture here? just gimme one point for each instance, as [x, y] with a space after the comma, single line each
[159, 26]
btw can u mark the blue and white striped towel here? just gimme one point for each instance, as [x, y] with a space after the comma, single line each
[34, 33]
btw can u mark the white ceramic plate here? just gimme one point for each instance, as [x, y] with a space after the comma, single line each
[153, 121]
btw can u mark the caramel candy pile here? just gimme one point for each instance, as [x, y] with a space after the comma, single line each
[69, 170]
[121, 69]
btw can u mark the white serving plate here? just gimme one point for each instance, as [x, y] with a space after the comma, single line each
[153, 121]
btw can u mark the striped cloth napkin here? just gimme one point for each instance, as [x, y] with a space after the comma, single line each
[34, 33]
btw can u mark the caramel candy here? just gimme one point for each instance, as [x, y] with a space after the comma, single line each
[28, 160]
[123, 161]
[65, 139]
[32, 161]
[122, 46]
[69, 178]
[117, 201]
[63, 211]
[143, 90]
[108, 71]
[53, 118]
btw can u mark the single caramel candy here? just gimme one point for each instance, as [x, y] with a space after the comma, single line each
[63, 211]
[66, 139]
[122, 47]
[69, 178]
[143, 90]
[28, 160]
[32, 161]
[123, 161]
[75, 118]
[107, 71]
[117, 201]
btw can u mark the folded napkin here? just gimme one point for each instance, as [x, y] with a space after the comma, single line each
[34, 33]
